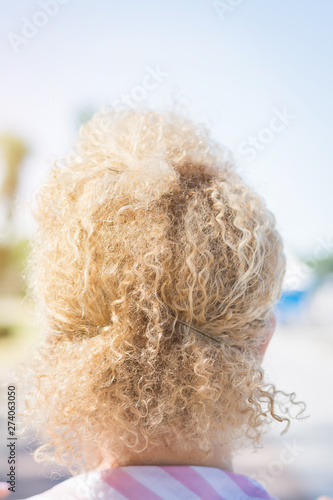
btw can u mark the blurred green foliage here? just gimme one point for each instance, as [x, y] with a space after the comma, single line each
[322, 267]
[12, 150]
[13, 250]
[13, 259]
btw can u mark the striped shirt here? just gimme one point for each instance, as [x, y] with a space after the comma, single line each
[171, 482]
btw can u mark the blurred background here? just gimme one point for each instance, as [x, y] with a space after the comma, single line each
[259, 75]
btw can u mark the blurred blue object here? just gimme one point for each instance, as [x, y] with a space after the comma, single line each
[293, 305]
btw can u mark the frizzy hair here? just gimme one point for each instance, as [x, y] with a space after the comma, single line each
[147, 221]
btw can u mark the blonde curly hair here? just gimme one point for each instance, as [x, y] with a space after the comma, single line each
[147, 222]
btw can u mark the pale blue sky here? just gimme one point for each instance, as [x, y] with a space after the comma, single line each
[235, 73]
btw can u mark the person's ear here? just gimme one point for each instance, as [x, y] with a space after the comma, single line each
[4, 492]
[268, 335]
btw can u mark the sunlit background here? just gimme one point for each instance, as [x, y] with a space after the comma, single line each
[259, 74]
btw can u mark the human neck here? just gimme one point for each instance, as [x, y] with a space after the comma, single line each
[163, 455]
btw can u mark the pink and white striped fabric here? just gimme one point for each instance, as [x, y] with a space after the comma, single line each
[179, 482]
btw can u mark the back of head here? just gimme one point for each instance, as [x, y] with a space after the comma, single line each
[148, 223]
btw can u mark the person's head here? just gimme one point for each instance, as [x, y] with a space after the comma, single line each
[148, 223]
